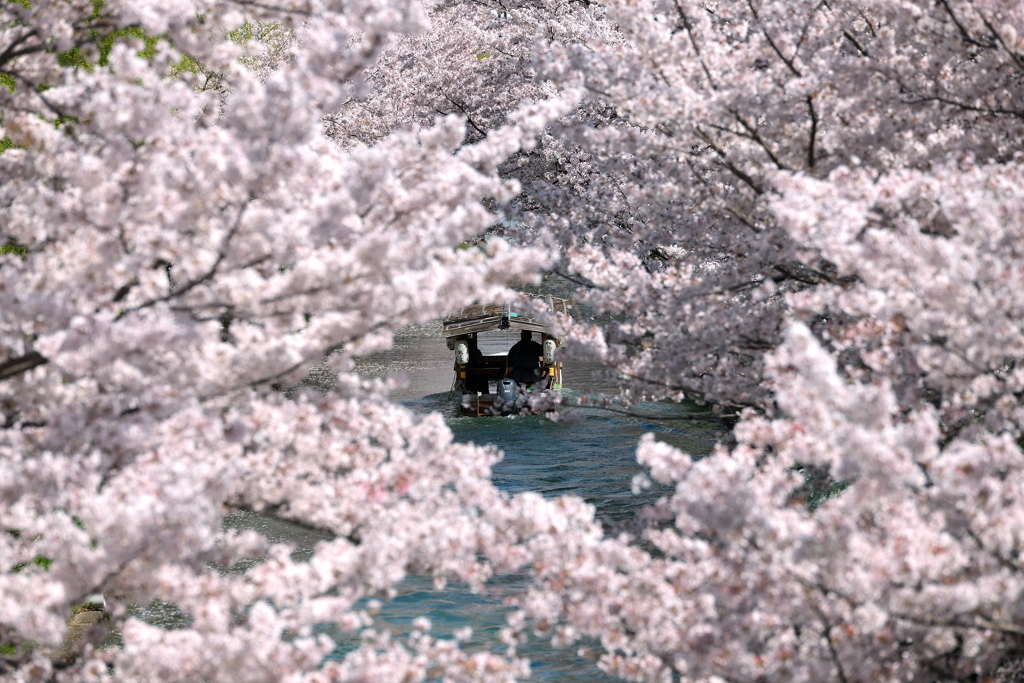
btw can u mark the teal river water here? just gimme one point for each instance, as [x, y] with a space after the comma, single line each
[594, 459]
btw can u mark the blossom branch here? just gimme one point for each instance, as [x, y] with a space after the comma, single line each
[16, 366]
[775, 48]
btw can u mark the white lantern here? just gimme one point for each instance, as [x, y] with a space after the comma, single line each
[461, 352]
[549, 351]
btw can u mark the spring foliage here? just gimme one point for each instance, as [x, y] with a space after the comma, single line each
[809, 211]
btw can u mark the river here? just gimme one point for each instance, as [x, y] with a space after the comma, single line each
[594, 459]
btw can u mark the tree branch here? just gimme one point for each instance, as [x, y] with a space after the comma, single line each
[10, 53]
[969, 107]
[814, 132]
[728, 164]
[16, 366]
[963, 31]
[1006, 562]
[693, 41]
[788, 62]
[807, 26]
[469, 119]
[1017, 60]
[756, 136]
[221, 255]
[856, 43]
[980, 624]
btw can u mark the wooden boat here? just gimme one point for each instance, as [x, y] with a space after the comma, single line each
[497, 382]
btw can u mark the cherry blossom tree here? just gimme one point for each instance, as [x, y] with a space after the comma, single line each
[475, 61]
[807, 210]
[813, 209]
[181, 243]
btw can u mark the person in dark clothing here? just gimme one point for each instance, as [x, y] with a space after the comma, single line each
[476, 381]
[524, 359]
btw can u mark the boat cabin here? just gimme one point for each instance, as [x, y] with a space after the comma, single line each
[501, 353]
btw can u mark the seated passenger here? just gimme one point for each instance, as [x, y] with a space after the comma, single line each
[524, 359]
[475, 381]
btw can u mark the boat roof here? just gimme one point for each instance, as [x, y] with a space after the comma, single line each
[483, 317]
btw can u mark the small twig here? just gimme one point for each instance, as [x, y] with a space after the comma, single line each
[273, 8]
[595, 90]
[788, 62]
[856, 43]
[570, 278]
[833, 652]
[756, 136]
[945, 345]
[728, 164]
[968, 107]
[871, 28]
[1009, 564]
[469, 119]
[205, 277]
[653, 381]
[980, 624]
[693, 41]
[963, 31]
[814, 132]
[807, 26]
[999, 39]
[744, 219]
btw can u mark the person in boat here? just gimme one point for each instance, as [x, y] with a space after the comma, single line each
[475, 381]
[523, 360]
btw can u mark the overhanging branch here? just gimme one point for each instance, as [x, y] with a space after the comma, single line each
[16, 366]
